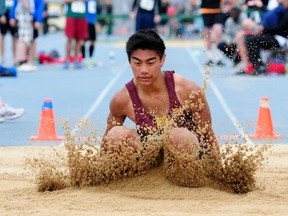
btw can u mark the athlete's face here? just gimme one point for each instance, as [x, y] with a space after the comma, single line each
[146, 65]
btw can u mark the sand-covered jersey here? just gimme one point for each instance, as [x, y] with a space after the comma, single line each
[148, 124]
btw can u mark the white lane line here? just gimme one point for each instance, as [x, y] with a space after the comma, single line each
[104, 92]
[118, 73]
[222, 101]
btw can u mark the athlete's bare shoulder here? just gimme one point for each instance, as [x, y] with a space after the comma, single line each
[185, 87]
[120, 102]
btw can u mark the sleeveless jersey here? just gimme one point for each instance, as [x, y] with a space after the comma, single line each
[148, 124]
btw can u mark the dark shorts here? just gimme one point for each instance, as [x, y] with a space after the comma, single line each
[35, 33]
[6, 27]
[210, 19]
[92, 32]
[145, 20]
[76, 28]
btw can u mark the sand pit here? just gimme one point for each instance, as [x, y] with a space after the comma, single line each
[149, 194]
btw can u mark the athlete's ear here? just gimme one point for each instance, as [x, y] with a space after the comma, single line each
[163, 59]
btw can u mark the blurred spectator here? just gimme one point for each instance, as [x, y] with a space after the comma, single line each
[193, 23]
[76, 31]
[28, 14]
[146, 12]
[213, 25]
[7, 112]
[92, 34]
[163, 26]
[232, 25]
[105, 7]
[5, 27]
[255, 8]
[266, 38]
[175, 26]
[45, 25]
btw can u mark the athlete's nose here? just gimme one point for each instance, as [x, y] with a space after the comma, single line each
[144, 68]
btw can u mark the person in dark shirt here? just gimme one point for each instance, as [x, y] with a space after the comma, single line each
[146, 12]
[213, 26]
[266, 39]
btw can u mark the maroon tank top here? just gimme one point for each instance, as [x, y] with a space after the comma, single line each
[144, 121]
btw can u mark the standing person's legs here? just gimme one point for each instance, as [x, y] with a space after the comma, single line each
[22, 52]
[92, 39]
[209, 33]
[68, 49]
[3, 49]
[14, 34]
[83, 50]
[208, 45]
[216, 37]
[77, 50]
[83, 47]
[14, 48]
[70, 32]
[249, 29]
[81, 34]
[4, 25]
[216, 34]
[91, 48]
[32, 52]
[25, 30]
[240, 41]
[34, 41]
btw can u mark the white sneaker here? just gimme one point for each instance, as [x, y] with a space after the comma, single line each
[91, 62]
[26, 67]
[10, 113]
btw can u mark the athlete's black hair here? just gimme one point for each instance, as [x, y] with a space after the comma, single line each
[145, 39]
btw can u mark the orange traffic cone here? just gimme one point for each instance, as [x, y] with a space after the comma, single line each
[47, 129]
[264, 128]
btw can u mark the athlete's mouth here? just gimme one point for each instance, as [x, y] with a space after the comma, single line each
[144, 78]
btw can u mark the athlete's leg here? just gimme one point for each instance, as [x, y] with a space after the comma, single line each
[183, 141]
[120, 135]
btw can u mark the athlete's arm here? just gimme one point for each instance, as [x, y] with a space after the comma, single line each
[117, 113]
[193, 97]
[203, 123]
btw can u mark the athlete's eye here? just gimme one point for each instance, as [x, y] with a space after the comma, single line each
[137, 63]
[151, 62]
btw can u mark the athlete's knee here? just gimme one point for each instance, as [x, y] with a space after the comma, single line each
[119, 132]
[120, 135]
[183, 140]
